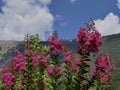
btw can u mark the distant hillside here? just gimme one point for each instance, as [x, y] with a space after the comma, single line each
[7, 50]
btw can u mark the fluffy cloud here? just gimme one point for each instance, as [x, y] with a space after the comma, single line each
[72, 1]
[109, 25]
[21, 17]
[118, 3]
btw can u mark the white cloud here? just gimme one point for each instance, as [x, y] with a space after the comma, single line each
[110, 25]
[45, 1]
[60, 20]
[118, 3]
[72, 1]
[20, 17]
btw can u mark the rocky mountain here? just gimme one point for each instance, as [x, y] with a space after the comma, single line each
[7, 50]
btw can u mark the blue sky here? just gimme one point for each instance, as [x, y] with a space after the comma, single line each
[74, 15]
[19, 17]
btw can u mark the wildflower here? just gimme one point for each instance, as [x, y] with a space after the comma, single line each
[4, 69]
[58, 71]
[68, 58]
[76, 64]
[104, 79]
[56, 46]
[54, 72]
[35, 60]
[29, 53]
[103, 63]
[50, 71]
[88, 41]
[19, 63]
[20, 87]
[44, 60]
[82, 36]
[9, 79]
[84, 83]
[104, 68]
[95, 40]
[109, 86]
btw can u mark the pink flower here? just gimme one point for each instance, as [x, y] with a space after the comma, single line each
[103, 63]
[44, 60]
[4, 69]
[89, 77]
[88, 41]
[58, 70]
[84, 83]
[75, 65]
[109, 86]
[95, 40]
[35, 60]
[18, 62]
[68, 58]
[29, 53]
[54, 72]
[50, 71]
[9, 79]
[32, 57]
[104, 79]
[104, 68]
[51, 38]
[82, 36]
[20, 87]
[17, 53]
[56, 46]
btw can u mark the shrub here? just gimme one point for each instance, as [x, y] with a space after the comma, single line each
[39, 68]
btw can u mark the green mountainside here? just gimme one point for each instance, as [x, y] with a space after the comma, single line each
[112, 46]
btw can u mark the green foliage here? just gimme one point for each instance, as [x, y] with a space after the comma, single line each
[32, 42]
[72, 79]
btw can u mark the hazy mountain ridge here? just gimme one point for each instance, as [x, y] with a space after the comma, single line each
[7, 50]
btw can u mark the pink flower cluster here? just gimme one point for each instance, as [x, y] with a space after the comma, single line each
[68, 58]
[18, 62]
[32, 58]
[20, 87]
[50, 71]
[72, 61]
[36, 59]
[56, 46]
[104, 68]
[54, 72]
[9, 79]
[88, 41]
[29, 53]
[44, 60]
[76, 64]
[4, 69]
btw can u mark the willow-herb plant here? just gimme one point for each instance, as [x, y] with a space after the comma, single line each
[40, 68]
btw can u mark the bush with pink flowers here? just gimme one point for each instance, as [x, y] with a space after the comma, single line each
[39, 67]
